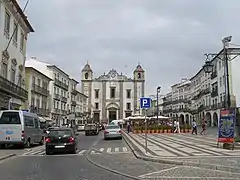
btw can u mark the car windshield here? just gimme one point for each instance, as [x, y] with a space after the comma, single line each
[112, 127]
[10, 118]
[57, 133]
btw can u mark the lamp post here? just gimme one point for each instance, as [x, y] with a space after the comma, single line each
[208, 68]
[158, 91]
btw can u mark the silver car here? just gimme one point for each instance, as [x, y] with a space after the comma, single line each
[112, 132]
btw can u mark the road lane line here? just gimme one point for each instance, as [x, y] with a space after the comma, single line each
[101, 149]
[156, 172]
[82, 151]
[125, 149]
[109, 150]
[117, 149]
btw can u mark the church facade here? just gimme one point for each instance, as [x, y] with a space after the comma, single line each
[113, 96]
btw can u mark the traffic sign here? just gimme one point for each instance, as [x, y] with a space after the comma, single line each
[145, 102]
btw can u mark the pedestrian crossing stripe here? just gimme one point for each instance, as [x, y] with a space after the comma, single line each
[109, 150]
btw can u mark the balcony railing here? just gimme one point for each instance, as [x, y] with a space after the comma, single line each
[61, 84]
[12, 89]
[74, 103]
[214, 75]
[57, 96]
[64, 99]
[74, 92]
[43, 112]
[214, 92]
[39, 90]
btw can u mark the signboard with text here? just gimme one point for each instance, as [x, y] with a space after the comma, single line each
[226, 125]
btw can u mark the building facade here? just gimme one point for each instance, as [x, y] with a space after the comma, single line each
[81, 108]
[153, 110]
[204, 95]
[37, 85]
[60, 91]
[113, 96]
[14, 29]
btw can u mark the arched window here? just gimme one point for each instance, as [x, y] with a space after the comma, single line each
[86, 75]
[139, 75]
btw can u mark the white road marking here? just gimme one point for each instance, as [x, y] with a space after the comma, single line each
[82, 151]
[164, 170]
[125, 149]
[101, 149]
[117, 149]
[109, 150]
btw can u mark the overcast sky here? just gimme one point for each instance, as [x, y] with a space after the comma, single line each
[168, 37]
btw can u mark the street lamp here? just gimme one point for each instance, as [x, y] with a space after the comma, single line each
[158, 91]
[208, 68]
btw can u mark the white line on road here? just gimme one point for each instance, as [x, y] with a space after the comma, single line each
[124, 149]
[164, 170]
[101, 149]
[109, 150]
[82, 151]
[117, 149]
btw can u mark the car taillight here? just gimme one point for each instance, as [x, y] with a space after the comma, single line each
[120, 131]
[106, 132]
[47, 140]
[71, 139]
[23, 135]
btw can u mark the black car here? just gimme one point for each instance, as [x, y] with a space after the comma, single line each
[61, 140]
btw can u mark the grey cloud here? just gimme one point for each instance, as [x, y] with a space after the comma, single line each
[168, 37]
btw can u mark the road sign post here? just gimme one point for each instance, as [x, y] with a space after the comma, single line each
[145, 103]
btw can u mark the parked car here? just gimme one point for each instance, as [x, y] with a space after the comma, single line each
[61, 140]
[91, 129]
[20, 128]
[112, 131]
[81, 127]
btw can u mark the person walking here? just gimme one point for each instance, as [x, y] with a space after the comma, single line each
[194, 127]
[204, 127]
[177, 127]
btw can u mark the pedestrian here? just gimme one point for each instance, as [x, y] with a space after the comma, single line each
[177, 129]
[194, 127]
[204, 127]
[128, 127]
[174, 125]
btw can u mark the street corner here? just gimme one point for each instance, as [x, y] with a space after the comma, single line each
[189, 172]
[7, 156]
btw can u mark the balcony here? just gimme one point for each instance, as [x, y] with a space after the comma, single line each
[57, 97]
[74, 103]
[64, 112]
[60, 84]
[43, 112]
[200, 108]
[214, 92]
[39, 90]
[64, 99]
[214, 75]
[57, 111]
[74, 92]
[166, 111]
[12, 89]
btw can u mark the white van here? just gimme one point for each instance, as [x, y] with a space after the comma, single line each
[20, 128]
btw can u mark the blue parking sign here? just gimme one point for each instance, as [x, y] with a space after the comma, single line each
[145, 103]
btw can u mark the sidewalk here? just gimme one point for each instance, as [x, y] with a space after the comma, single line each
[184, 149]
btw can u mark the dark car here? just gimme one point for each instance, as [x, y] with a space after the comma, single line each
[61, 140]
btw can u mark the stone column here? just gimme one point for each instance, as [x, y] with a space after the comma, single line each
[121, 101]
[104, 110]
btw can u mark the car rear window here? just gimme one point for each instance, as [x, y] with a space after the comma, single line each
[112, 127]
[63, 133]
[10, 118]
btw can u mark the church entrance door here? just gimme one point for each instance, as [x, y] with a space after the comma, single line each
[112, 115]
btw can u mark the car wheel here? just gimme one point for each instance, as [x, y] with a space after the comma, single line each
[47, 152]
[120, 138]
[74, 151]
[28, 145]
[41, 142]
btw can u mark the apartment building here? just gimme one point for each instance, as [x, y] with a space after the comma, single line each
[153, 110]
[14, 29]
[204, 95]
[37, 85]
[58, 89]
[81, 107]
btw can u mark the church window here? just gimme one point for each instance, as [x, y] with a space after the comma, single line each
[96, 93]
[128, 93]
[86, 75]
[139, 75]
[112, 92]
